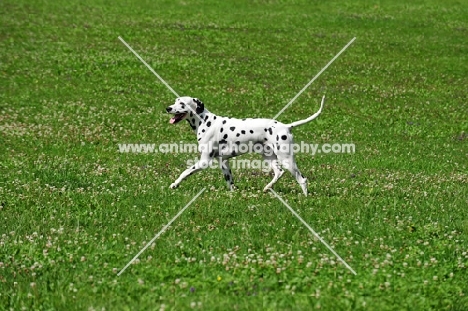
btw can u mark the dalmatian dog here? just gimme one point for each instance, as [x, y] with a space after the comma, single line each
[223, 138]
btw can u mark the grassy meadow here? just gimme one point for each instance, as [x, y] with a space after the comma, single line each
[74, 210]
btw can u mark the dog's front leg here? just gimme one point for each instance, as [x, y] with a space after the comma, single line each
[224, 165]
[203, 163]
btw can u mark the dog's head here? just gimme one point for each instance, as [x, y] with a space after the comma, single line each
[183, 107]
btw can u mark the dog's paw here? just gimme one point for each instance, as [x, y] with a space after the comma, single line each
[173, 186]
[266, 188]
[304, 186]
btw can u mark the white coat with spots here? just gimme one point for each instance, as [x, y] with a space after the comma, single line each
[223, 138]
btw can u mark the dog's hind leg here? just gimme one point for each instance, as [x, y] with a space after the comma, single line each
[272, 161]
[286, 160]
[224, 165]
[291, 166]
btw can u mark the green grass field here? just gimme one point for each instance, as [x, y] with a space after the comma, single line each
[74, 210]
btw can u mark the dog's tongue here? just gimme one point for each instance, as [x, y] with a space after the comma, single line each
[177, 118]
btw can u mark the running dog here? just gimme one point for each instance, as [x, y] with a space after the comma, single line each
[224, 138]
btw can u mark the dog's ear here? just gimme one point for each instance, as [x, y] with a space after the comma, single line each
[200, 105]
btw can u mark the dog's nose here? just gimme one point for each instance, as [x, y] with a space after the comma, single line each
[169, 109]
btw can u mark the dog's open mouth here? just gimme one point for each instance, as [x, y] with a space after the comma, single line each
[177, 118]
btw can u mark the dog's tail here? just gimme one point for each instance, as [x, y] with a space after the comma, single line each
[315, 115]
